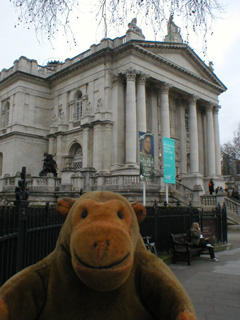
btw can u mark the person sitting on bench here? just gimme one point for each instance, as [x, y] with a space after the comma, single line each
[197, 239]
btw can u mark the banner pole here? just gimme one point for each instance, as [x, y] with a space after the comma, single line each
[166, 199]
[144, 193]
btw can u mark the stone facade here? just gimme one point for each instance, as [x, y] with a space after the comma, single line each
[87, 112]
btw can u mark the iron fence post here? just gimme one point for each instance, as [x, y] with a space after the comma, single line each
[224, 222]
[219, 223]
[21, 239]
[21, 204]
[156, 231]
[190, 211]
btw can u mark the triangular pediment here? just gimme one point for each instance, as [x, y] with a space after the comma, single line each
[183, 58]
[180, 60]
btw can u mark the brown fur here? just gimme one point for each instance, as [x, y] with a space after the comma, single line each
[100, 269]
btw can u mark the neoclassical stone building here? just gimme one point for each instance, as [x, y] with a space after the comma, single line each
[87, 112]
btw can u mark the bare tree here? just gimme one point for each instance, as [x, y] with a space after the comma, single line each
[236, 142]
[48, 15]
[227, 158]
[230, 153]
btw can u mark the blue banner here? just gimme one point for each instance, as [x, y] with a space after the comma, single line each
[169, 170]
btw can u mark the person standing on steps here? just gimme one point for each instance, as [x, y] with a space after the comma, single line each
[211, 186]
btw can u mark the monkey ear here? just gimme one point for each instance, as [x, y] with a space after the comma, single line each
[64, 205]
[140, 211]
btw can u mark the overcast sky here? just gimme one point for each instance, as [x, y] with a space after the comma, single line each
[223, 51]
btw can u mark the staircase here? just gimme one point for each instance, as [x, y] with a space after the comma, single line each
[233, 211]
[181, 193]
[185, 195]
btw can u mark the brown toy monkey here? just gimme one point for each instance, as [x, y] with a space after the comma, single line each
[100, 269]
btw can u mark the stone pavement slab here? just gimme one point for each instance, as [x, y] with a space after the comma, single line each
[214, 287]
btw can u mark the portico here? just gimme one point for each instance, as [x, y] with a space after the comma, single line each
[201, 127]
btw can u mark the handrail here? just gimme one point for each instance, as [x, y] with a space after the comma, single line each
[185, 192]
[232, 205]
[179, 186]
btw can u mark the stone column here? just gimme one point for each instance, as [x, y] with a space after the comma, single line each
[64, 108]
[154, 125]
[182, 136]
[141, 104]
[107, 85]
[107, 133]
[52, 145]
[164, 117]
[164, 110]
[18, 113]
[200, 141]
[97, 146]
[210, 141]
[12, 106]
[59, 156]
[131, 117]
[217, 141]
[87, 146]
[1, 114]
[193, 135]
[118, 120]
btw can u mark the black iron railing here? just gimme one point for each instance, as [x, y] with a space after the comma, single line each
[27, 236]
[162, 221]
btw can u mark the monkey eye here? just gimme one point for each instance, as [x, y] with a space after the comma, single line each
[84, 214]
[120, 215]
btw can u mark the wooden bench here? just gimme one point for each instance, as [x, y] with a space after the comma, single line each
[183, 250]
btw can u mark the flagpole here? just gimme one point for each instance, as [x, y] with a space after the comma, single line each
[166, 197]
[144, 193]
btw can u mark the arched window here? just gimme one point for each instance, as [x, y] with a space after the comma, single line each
[77, 156]
[77, 159]
[78, 110]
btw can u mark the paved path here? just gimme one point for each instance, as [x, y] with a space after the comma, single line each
[214, 287]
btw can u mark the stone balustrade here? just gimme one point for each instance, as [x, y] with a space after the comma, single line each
[232, 205]
[46, 183]
[209, 200]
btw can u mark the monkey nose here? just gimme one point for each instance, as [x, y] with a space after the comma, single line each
[100, 244]
[100, 247]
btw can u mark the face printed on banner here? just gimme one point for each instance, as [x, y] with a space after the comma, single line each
[146, 145]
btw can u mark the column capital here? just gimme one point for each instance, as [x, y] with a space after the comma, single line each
[216, 109]
[209, 106]
[193, 99]
[131, 74]
[117, 79]
[142, 78]
[165, 87]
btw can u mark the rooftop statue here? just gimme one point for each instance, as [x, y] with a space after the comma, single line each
[132, 26]
[173, 32]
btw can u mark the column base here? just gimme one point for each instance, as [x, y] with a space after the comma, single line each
[192, 179]
[116, 167]
[127, 168]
